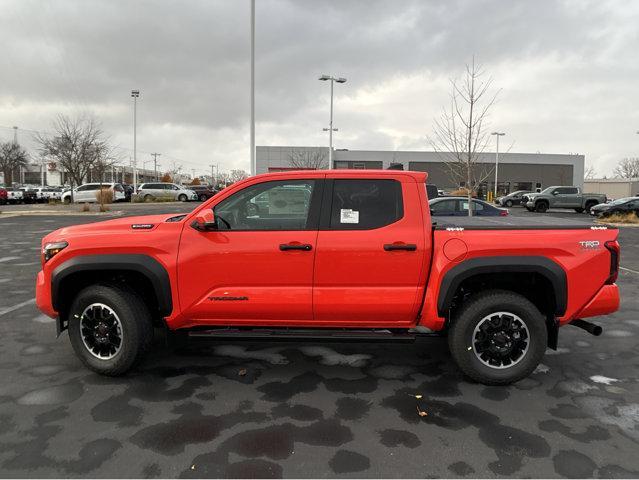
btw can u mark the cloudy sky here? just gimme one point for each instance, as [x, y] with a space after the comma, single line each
[568, 72]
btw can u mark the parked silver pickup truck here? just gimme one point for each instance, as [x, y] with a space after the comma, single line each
[562, 197]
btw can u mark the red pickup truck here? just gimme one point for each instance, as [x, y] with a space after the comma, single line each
[314, 254]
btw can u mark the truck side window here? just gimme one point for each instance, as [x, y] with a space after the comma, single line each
[365, 204]
[278, 205]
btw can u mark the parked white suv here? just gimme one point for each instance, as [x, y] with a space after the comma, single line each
[151, 191]
[88, 193]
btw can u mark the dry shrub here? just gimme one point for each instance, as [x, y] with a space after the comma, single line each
[461, 192]
[104, 195]
[629, 218]
[85, 207]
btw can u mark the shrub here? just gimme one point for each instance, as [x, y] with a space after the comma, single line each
[461, 192]
[85, 207]
[104, 195]
[628, 218]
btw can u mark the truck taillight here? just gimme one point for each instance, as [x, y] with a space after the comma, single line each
[615, 253]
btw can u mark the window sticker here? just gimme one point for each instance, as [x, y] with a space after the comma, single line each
[348, 215]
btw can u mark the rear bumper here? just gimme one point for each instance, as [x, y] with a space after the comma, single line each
[604, 302]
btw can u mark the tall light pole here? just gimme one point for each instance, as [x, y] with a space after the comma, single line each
[253, 164]
[497, 134]
[135, 94]
[330, 128]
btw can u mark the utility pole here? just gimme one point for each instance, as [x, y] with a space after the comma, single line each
[155, 164]
[253, 165]
[135, 94]
[15, 142]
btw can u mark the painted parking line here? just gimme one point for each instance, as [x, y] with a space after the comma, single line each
[628, 270]
[6, 310]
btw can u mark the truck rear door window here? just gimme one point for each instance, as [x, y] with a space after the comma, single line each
[365, 204]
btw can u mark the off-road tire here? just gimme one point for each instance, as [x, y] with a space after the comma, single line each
[136, 324]
[460, 336]
[182, 198]
[541, 207]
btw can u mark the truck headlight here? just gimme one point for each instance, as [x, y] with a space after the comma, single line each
[50, 250]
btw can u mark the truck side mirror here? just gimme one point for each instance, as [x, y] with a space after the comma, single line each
[205, 222]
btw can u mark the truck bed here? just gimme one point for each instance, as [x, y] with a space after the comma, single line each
[512, 223]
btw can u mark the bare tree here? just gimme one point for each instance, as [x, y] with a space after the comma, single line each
[78, 146]
[590, 172]
[12, 156]
[460, 135]
[307, 159]
[237, 175]
[627, 168]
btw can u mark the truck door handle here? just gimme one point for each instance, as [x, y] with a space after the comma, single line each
[299, 246]
[390, 247]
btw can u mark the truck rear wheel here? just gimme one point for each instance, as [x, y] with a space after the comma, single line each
[498, 338]
[589, 205]
[110, 329]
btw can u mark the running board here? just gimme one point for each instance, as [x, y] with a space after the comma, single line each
[324, 334]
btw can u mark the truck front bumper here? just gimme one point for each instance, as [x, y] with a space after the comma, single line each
[43, 296]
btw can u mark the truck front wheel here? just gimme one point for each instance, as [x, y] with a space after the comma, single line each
[110, 329]
[498, 337]
[541, 207]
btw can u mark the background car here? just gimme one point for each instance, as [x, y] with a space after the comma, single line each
[14, 195]
[29, 195]
[621, 206]
[87, 192]
[513, 198]
[458, 206]
[204, 192]
[3, 196]
[151, 191]
[47, 194]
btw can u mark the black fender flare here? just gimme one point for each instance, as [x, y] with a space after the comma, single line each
[143, 264]
[544, 266]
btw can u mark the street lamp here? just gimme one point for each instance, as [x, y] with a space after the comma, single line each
[135, 94]
[497, 134]
[330, 128]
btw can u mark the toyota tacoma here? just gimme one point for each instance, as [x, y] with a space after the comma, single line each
[337, 254]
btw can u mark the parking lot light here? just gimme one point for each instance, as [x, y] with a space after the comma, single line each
[497, 134]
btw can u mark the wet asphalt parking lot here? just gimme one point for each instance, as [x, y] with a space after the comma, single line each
[245, 409]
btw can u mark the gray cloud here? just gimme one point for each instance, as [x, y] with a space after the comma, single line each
[568, 71]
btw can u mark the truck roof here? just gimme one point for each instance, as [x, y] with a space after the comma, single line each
[418, 176]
